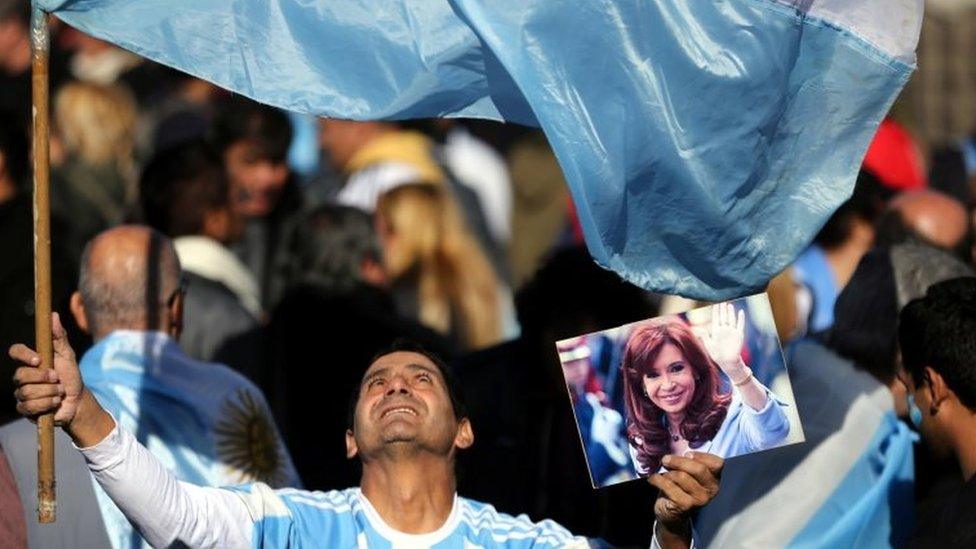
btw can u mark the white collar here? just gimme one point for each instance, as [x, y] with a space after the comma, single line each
[204, 256]
[399, 539]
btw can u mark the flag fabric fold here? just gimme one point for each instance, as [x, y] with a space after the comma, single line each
[851, 484]
[704, 143]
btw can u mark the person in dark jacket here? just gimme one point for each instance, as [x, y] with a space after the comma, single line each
[185, 196]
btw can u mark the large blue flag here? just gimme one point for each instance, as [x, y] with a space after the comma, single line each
[704, 141]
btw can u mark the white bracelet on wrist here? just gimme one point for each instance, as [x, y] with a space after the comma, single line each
[744, 379]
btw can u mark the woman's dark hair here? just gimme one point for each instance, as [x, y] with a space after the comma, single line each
[646, 430]
[241, 119]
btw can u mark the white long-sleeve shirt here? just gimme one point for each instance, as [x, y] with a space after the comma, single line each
[167, 511]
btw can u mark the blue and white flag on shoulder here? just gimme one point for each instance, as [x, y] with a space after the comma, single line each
[850, 484]
[704, 142]
[204, 422]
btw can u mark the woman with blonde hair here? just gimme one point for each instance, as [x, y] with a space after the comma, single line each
[92, 149]
[438, 271]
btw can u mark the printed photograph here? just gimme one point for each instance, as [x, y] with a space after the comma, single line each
[709, 380]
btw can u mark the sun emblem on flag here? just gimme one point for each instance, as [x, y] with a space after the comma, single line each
[247, 443]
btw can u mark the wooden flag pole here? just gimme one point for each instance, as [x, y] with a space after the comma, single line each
[40, 48]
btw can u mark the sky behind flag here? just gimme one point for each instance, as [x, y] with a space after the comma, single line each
[704, 143]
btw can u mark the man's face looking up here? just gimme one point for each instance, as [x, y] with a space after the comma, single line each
[404, 408]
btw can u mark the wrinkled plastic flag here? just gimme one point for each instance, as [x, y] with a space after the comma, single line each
[704, 142]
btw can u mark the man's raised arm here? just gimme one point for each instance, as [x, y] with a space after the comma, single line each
[163, 509]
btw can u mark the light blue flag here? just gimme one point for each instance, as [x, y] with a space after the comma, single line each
[704, 142]
[850, 484]
[204, 422]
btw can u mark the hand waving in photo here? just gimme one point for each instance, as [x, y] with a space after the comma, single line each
[725, 336]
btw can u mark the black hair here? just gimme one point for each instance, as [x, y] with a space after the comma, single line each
[865, 328]
[14, 147]
[179, 186]
[238, 118]
[451, 382]
[866, 203]
[939, 331]
[571, 294]
[892, 230]
[328, 247]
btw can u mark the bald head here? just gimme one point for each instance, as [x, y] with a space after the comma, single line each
[934, 216]
[128, 276]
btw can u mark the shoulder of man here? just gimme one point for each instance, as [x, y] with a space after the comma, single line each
[488, 527]
[281, 516]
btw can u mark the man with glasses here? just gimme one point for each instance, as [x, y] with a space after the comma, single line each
[204, 422]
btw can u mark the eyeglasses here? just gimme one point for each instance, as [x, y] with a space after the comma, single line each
[180, 290]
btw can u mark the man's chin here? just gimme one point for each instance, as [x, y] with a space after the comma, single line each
[397, 434]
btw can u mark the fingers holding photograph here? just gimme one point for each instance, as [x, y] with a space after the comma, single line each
[712, 380]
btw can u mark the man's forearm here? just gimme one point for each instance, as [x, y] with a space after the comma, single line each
[91, 423]
[165, 511]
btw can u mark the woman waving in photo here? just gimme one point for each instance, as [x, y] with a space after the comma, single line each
[676, 399]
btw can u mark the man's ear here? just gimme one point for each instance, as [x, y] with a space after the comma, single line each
[465, 435]
[863, 232]
[937, 388]
[77, 307]
[351, 449]
[175, 312]
[215, 224]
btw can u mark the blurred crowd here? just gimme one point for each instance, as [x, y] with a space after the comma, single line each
[307, 246]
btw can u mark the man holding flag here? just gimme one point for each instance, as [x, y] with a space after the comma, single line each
[703, 143]
[204, 423]
[406, 426]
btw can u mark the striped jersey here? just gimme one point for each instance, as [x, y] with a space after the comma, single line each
[345, 518]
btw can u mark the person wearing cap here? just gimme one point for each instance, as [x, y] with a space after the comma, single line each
[601, 428]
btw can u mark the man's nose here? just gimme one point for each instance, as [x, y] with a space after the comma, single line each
[397, 384]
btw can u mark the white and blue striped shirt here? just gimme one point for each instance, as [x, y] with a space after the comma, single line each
[168, 512]
[345, 518]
